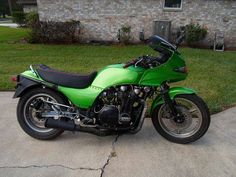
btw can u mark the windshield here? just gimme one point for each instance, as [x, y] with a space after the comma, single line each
[158, 43]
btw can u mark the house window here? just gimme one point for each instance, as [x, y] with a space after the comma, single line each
[173, 4]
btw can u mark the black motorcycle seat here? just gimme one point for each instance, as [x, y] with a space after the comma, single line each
[65, 79]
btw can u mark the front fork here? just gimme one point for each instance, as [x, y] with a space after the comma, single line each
[171, 103]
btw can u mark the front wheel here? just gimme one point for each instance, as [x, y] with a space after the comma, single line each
[195, 119]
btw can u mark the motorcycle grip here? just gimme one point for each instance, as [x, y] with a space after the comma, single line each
[129, 64]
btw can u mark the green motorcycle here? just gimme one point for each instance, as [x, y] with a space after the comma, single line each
[113, 100]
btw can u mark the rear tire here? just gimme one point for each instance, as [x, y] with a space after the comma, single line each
[193, 136]
[29, 126]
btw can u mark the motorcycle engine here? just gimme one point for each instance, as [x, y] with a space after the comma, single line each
[109, 115]
[116, 106]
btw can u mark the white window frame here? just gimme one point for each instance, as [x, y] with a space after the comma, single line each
[173, 8]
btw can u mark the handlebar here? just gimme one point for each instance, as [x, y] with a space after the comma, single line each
[149, 62]
[145, 62]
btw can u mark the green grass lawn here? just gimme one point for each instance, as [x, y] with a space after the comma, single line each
[11, 35]
[212, 74]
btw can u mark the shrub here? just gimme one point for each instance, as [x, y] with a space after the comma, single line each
[124, 35]
[31, 18]
[52, 32]
[195, 33]
[19, 17]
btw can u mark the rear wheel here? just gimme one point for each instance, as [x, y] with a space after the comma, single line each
[30, 108]
[195, 119]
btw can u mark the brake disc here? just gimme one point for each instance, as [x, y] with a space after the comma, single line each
[184, 112]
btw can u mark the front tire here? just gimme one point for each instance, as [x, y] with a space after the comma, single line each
[196, 119]
[28, 117]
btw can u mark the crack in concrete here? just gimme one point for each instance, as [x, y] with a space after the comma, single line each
[102, 169]
[111, 155]
[49, 166]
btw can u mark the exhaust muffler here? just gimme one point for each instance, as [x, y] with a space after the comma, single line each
[60, 124]
[71, 126]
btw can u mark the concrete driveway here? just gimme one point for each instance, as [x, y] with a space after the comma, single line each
[145, 154]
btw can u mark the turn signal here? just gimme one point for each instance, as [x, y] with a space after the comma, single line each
[182, 69]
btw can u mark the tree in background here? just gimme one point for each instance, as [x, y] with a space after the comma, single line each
[3, 8]
[8, 6]
[15, 6]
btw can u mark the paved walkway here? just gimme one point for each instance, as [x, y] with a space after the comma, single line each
[12, 25]
[145, 154]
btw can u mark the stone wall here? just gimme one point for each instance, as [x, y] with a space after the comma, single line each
[101, 19]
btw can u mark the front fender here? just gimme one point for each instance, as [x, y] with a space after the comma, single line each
[174, 91]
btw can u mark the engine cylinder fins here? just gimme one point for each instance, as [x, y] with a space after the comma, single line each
[123, 88]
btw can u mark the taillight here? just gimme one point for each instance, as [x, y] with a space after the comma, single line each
[14, 78]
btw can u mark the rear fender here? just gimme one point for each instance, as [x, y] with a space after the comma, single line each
[173, 92]
[25, 83]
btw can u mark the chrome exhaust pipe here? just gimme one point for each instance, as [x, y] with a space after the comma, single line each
[140, 125]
